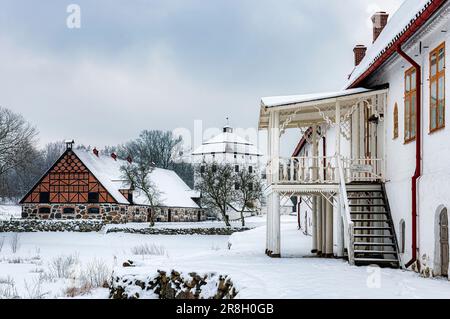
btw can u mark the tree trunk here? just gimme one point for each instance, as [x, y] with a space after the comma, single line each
[242, 218]
[151, 219]
[226, 219]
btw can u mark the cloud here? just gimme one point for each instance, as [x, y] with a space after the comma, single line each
[163, 64]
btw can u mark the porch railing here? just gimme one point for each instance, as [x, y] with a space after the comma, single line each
[324, 170]
[345, 214]
[308, 170]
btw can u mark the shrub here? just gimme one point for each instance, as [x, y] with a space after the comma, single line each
[14, 242]
[62, 266]
[146, 249]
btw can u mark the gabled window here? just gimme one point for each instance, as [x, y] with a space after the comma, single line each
[44, 197]
[437, 88]
[410, 105]
[395, 117]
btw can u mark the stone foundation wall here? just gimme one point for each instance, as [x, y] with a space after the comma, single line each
[109, 213]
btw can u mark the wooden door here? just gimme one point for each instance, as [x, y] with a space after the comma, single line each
[444, 242]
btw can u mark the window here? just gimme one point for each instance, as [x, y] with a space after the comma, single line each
[214, 168]
[202, 169]
[236, 186]
[395, 121]
[236, 168]
[44, 197]
[410, 105]
[437, 88]
[250, 186]
[250, 169]
[94, 210]
[69, 210]
[93, 197]
[44, 210]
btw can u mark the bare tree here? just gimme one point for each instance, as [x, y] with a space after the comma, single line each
[51, 152]
[138, 176]
[17, 137]
[248, 192]
[158, 147]
[216, 183]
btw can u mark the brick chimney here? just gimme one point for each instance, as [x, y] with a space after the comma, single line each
[360, 53]
[114, 156]
[95, 151]
[379, 21]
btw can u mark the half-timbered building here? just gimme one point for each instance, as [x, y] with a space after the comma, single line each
[88, 185]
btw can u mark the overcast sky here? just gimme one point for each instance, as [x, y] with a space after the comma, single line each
[161, 64]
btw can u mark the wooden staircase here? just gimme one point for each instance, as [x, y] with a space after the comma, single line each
[375, 241]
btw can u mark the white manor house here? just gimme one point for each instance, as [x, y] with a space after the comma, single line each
[373, 168]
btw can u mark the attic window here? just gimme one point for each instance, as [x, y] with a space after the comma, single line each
[93, 197]
[44, 197]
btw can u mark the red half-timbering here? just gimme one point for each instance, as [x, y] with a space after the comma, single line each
[68, 181]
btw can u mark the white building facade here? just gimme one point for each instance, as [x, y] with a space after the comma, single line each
[230, 148]
[376, 174]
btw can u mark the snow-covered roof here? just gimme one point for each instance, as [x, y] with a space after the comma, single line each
[274, 101]
[173, 190]
[227, 142]
[395, 27]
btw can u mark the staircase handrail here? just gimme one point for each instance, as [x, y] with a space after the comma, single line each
[345, 212]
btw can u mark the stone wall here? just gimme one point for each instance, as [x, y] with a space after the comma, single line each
[18, 226]
[225, 231]
[109, 213]
[175, 285]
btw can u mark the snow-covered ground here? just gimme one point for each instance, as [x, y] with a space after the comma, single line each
[10, 210]
[254, 274]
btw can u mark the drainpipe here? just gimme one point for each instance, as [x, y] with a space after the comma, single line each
[418, 148]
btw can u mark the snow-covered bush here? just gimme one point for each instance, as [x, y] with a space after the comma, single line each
[146, 249]
[96, 274]
[14, 242]
[8, 288]
[34, 288]
[63, 265]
